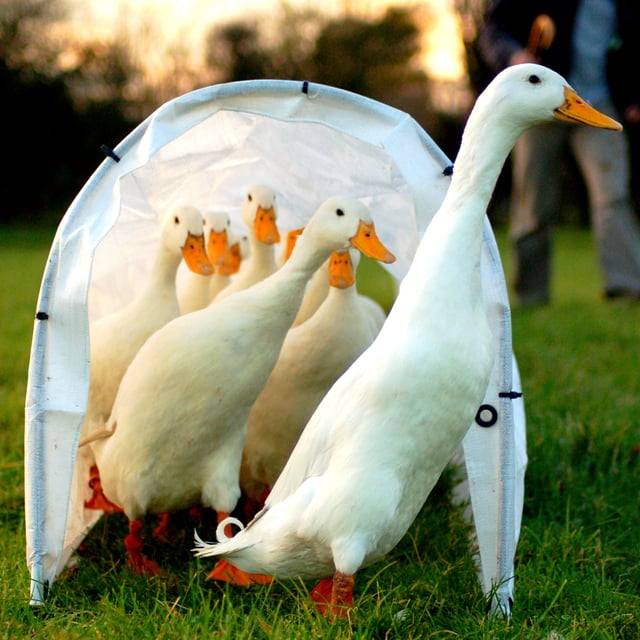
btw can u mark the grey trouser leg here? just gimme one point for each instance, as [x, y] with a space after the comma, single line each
[603, 158]
[535, 202]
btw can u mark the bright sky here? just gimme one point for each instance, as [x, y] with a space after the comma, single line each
[443, 52]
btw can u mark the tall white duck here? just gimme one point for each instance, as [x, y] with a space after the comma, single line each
[195, 292]
[179, 420]
[378, 442]
[117, 337]
[259, 213]
[312, 358]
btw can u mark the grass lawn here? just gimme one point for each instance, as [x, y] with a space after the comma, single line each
[578, 561]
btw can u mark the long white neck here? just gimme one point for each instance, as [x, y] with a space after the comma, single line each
[262, 256]
[279, 296]
[485, 144]
[163, 271]
[316, 291]
[447, 262]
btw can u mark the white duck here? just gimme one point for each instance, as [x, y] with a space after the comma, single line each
[179, 420]
[259, 213]
[116, 338]
[313, 356]
[378, 442]
[195, 293]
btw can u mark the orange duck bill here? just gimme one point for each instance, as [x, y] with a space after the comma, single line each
[368, 242]
[341, 273]
[232, 261]
[292, 238]
[575, 109]
[218, 247]
[265, 226]
[195, 255]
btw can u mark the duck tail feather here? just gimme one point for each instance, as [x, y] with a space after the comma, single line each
[204, 549]
[221, 536]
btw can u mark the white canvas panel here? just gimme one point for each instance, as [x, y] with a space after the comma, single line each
[308, 142]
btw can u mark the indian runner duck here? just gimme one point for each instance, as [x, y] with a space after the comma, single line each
[377, 443]
[179, 419]
[195, 292]
[259, 213]
[116, 338]
[312, 357]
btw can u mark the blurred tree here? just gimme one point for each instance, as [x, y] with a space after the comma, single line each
[23, 41]
[471, 14]
[234, 52]
[377, 58]
[368, 57]
[37, 109]
[56, 129]
[282, 48]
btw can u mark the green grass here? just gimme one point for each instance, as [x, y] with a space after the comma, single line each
[578, 561]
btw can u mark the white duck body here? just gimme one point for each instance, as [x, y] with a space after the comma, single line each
[179, 419]
[375, 313]
[259, 213]
[116, 338]
[379, 440]
[314, 354]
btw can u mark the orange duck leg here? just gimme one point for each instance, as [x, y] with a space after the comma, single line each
[133, 542]
[98, 500]
[334, 596]
[165, 531]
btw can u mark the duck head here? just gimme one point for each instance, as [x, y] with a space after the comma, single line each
[529, 94]
[259, 213]
[342, 269]
[342, 222]
[217, 226]
[238, 251]
[182, 232]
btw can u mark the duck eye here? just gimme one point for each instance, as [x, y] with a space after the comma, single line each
[176, 219]
[249, 197]
[534, 79]
[339, 212]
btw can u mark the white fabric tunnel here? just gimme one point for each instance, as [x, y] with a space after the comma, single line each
[308, 142]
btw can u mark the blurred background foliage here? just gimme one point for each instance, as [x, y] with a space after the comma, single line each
[64, 95]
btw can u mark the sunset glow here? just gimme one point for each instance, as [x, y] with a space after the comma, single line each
[186, 21]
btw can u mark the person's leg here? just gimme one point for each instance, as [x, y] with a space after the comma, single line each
[603, 157]
[535, 200]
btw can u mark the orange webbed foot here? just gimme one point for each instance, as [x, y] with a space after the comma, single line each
[139, 564]
[226, 572]
[98, 500]
[333, 597]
